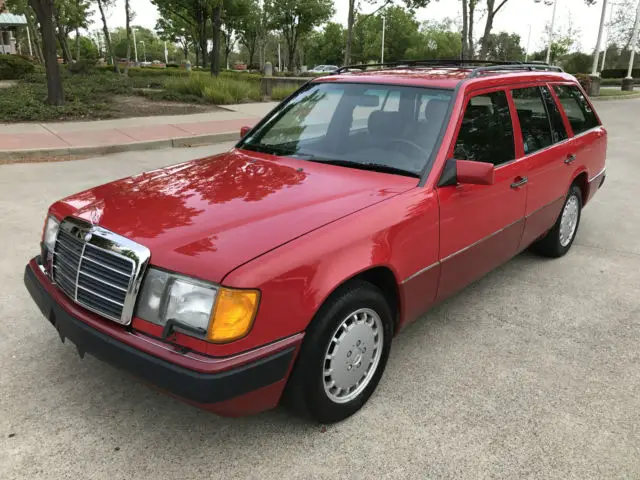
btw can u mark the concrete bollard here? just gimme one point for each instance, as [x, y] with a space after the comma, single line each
[627, 84]
[594, 88]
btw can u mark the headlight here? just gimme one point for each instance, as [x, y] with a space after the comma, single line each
[50, 233]
[210, 312]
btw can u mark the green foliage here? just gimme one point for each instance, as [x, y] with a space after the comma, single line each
[585, 80]
[83, 67]
[435, 40]
[295, 19]
[619, 73]
[325, 47]
[13, 67]
[218, 90]
[577, 62]
[280, 93]
[88, 49]
[86, 96]
[505, 46]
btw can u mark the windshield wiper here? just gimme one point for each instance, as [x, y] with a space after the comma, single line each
[374, 167]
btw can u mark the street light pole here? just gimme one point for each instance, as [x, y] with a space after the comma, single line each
[526, 55]
[606, 37]
[135, 44]
[596, 54]
[553, 22]
[144, 50]
[634, 42]
[384, 25]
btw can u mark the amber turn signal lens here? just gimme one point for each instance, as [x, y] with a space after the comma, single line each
[233, 314]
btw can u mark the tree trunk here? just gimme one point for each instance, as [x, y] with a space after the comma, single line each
[202, 37]
[35, 39]
[465, 30]
[107, 37]
[491, 13]
[215, 51]
[127, 15]
[292, 57]
[44, 13]
[197, 49]
[350, 21]
[470, 44]
[77, 44]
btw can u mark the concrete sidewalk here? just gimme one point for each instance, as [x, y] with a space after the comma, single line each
[32, 140]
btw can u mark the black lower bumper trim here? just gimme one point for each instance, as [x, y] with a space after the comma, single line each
[188, 384]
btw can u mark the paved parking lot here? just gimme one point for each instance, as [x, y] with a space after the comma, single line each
[533, 371]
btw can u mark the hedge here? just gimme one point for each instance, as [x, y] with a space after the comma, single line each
[619, 73]
[14, 67]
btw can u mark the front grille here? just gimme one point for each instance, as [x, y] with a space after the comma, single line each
[100, 279]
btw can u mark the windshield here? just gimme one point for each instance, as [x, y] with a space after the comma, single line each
[385, 127]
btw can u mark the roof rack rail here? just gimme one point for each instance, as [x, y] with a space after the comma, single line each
[479, 66]
[424, 63]
[476, 72]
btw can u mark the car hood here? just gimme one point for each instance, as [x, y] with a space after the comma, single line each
[208, 216]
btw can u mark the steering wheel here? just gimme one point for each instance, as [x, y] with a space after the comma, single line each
[410, 143]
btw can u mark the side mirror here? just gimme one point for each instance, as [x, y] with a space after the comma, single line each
[244, 131]
[467, 171]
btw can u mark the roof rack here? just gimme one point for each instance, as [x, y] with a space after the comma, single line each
[479, 66]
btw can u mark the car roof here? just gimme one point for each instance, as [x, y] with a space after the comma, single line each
[448, 77]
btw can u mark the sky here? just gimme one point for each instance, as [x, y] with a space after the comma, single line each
[517, 16]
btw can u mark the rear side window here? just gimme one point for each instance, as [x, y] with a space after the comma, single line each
[558, 132]
[576, 107]
[534, 121]
[486, 133]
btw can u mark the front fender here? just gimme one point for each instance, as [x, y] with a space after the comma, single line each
[295, 279]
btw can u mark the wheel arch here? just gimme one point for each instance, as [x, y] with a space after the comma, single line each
[582, 181]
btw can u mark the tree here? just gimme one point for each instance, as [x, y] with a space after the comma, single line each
[492, 11]
[326, 46]
[505, 46]
[577, 62]
[354, 16]
[177, 30]
[295, 19]
[436, 40]
[127, 14]
[249, 29]
[44, 12]
[102, 6]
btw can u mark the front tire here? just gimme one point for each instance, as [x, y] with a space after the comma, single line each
[344, 354]
[559, 239]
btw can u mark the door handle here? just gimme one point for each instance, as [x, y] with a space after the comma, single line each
[519, 183]
[570, 159]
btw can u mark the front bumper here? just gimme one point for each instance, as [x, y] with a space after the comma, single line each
[161, 368]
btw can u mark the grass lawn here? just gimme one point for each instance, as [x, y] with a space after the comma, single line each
[103, 94]
[614, 92]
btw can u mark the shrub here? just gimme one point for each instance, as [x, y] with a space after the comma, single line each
[280, 93]
[619, 73]
[14, 67]
[585, 81]
[218, 90]
[173, 65]
[83, 67]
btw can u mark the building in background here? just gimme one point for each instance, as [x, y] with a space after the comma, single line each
[8, 24]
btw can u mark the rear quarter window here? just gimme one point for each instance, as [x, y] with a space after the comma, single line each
[580, 114]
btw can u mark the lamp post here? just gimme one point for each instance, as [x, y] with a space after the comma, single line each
[596, 53]
[384, 26]
[526, 55]
[135, 44]
[551, 27]
[144, 50]
[606, 37]
[627, 82]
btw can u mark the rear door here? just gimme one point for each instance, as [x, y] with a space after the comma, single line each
[589, 142]
[544, 148]
[481, 225]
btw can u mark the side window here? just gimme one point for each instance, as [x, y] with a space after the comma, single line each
[558, 132]
[576, 107]
[486, 133]
[534, 121]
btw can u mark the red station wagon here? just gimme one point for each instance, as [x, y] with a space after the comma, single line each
[283, 268]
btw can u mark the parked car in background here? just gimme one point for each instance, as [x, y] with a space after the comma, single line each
[323, 69]
[283, 269]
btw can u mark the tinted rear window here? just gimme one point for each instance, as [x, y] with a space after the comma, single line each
[578, 111]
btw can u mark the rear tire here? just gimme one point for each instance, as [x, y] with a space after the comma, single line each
[559, 239]
[354, 328]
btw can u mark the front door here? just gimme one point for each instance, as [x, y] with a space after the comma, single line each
[481, 225]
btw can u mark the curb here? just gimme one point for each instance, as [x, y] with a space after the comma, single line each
[608, 98]
[77, 153]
